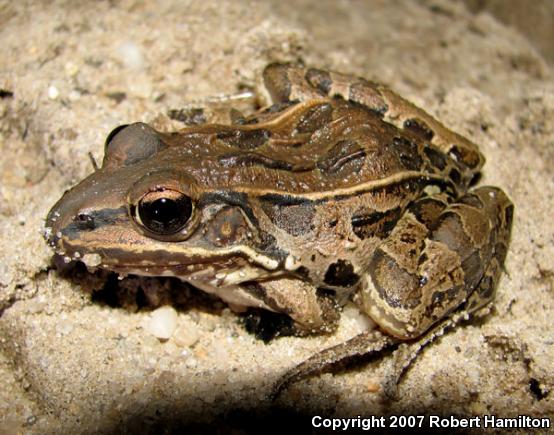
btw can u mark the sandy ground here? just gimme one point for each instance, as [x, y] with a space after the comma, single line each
[75, 352]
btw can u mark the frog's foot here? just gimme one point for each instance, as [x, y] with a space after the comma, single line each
[407, 352]
[478, 305]
[365, 343]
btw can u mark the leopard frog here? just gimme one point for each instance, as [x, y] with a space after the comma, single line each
[338, 191]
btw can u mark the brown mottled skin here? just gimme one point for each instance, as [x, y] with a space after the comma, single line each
[340, 190]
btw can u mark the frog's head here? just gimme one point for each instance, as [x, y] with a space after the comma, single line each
[144, 212]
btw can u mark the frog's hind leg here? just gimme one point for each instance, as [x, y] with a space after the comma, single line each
[365, 343]
[289, 83]
[455, 252]
[435, 259]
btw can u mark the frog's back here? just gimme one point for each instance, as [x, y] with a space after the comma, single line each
[316, 148]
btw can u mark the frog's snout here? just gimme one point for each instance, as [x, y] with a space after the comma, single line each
[53, 227]
[68, 220]
[51, 232]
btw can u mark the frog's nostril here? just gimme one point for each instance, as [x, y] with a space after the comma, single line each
[84, 221]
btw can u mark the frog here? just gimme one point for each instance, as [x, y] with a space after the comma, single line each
[336, 191]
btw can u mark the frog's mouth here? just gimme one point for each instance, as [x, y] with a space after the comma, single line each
[215, 267]
[211, 273]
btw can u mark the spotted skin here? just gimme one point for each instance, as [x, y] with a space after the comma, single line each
[337, 191]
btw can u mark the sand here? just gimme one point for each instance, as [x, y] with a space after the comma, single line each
[76, 353]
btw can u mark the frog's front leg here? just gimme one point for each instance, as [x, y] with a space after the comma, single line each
[434, 260]
[311, 310]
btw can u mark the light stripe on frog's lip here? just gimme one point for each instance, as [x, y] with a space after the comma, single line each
[192, 252]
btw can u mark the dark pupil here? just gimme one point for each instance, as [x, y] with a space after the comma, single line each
[165, 215]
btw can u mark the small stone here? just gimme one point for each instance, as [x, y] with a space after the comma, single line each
[373, 386]
[162, 322]
[186, 336]
[92, 260]
[357, 319]
[53, 92]
[131, 55]
[71, 69]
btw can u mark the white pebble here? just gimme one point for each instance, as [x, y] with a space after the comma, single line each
[357, 319]
[162, 322]
[53, 92]
[186, 335]
[131, 55]
[71, 69]
[92, 260]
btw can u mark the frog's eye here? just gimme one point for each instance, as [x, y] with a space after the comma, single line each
[165, 211]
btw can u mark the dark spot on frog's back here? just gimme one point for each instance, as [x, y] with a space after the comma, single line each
[315, 118]
[341, 274]
[407, 152]
[252, 159]
[345, 153]
[465, 156]
[375, 224]
[319, 79]
[436, 158]
[245, 139]
[419, 127]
